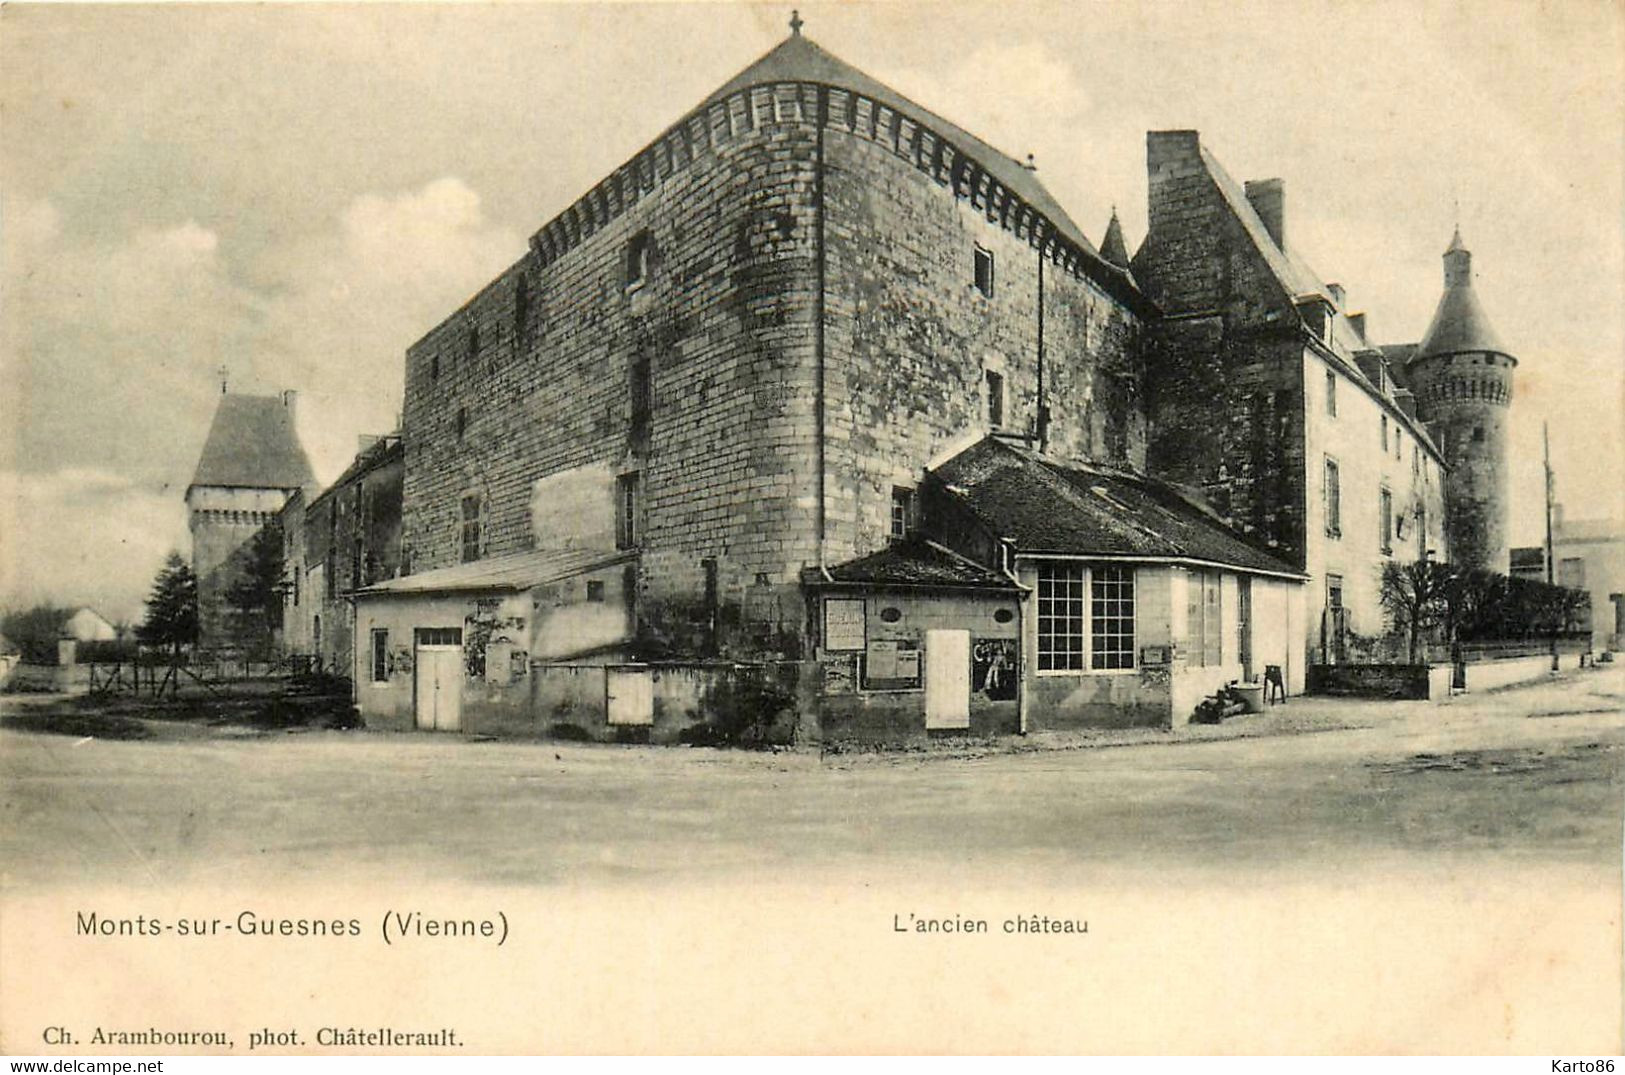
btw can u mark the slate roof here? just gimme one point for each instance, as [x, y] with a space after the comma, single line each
[796, 59]
[518, 571]
[1046, 506]
[1459, 322]
[1298, 280]
[912, 563]
[252, 444]
[385, 450]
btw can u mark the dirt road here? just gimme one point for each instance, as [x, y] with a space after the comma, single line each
[1531, 774]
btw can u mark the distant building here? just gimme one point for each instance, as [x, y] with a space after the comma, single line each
[1589, 555]
[251, 464]
[336, 542]
[88, 625]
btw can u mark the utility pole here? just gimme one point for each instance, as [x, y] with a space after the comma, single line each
[1546, 447]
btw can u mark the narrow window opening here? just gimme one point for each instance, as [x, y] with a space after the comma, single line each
[471, 527]
[984, 271]
[1334, 500]
[902, 508]
[995, 399]
[639, 260]
[626, 511]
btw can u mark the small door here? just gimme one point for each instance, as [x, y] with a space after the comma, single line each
[440, 688]
[629, 696]
[947, 679]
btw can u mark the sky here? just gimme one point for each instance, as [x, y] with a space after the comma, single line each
[293, 194]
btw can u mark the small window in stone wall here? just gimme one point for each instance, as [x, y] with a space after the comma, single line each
[995, 399]
[902, 510]
[473, 342]
[626, 511]
[471, 527]
[595, 591]
[462, 422]
[1003, 615]
[1478, 433]
[1331, 393]
[640, 257]
[984, 271]
[434, 367]
[890, 614]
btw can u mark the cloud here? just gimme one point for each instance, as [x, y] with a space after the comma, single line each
[115, 342]
[84, 536]
[355, 297]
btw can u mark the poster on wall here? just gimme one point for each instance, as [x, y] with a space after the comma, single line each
[840, 673]
[844, 624]
[891, 666]
[993, 668]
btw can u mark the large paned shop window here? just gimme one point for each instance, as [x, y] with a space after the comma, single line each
[1085, 617]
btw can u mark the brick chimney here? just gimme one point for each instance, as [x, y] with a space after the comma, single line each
[1358, 321]
[1268, 197]
[290, 400]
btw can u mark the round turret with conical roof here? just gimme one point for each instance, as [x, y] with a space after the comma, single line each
[1462, 377]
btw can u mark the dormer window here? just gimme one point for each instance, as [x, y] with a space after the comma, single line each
[640, 258]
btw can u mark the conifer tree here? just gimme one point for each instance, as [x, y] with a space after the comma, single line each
[172, 617]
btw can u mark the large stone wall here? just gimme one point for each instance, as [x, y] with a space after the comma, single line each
[538, 374]
[722, 320]
[910, 338]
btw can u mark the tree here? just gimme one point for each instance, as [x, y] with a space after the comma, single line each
[257, 590]
[35, 631]
[1415, 595]
[172, 618]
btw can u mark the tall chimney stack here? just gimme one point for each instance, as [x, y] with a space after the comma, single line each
[1268, 197]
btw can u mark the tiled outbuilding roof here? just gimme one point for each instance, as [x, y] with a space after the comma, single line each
[1046, 506]
[252, 444]
[912, 563]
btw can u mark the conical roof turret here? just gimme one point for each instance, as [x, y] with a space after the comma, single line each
[1460, 323]
[1112, 247]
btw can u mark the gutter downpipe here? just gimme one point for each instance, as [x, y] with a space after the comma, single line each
[1043, 411]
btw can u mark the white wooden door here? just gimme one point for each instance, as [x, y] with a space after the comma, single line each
[440, 688]
[947, 679]
[629, 695]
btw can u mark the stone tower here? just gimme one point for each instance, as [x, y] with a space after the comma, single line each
[251, 464]
[1462, 377]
